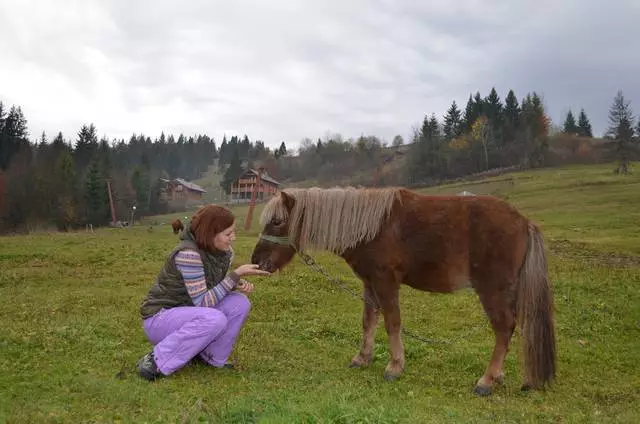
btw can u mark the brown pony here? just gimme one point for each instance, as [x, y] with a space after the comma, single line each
[177, 226]
[440, 244]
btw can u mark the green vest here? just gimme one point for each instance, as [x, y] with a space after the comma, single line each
[169, 290]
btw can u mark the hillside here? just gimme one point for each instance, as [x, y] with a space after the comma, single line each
[72, 333]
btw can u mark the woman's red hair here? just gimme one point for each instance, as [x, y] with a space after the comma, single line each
[208, 222]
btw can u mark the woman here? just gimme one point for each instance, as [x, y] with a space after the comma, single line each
[195, 308]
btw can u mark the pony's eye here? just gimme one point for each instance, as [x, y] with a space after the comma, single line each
[276, 222]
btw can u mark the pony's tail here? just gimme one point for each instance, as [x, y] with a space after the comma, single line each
[535, 314]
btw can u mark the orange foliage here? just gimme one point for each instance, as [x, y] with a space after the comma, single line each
[459, 143]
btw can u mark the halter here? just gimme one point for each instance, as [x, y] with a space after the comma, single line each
[284, 241]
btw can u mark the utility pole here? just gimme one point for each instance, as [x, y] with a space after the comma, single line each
[252, 203]
[133, 211]
[113, 211]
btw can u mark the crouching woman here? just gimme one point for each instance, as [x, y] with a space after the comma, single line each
[196, 308]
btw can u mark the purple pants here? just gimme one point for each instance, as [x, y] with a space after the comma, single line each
[181, 333]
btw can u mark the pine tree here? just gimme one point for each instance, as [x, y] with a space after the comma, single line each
[13, 135]
[478, 105]
[233, 172]
[65, 183]
[426, 159]
[468, 118]
[534, 128]
[224, 152]
[584, 126]
[511, 109]
[141, 183]
[96, 195]
[570, 126]
[86, 146]
[452, 122]
[281, 151]
[511, 118]
[493, 110]
[621, 130]
[3, 116]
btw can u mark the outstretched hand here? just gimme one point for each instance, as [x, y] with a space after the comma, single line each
[245, 287]
[250, 269]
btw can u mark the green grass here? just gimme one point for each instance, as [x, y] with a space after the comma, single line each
[70, 326]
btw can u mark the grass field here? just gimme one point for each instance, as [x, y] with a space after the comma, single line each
[71, 334]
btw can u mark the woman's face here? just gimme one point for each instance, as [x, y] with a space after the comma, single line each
[223, 239]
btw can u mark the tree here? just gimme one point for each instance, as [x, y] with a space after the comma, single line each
[65, 183]
[452, 127]
[570, 126]
[584, 126]
[621, 130]
[397, 141]
[426, 159]
[534, 130]
[96, 195]
[480, 131]
[86, 146]
[141, 183]
[13, 134]
[19, 206]
[493, 110]
[281, 151]
[233, 172]
[511, 123]
[511, 109]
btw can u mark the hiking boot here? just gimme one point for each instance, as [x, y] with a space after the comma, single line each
[148, 369]
[198, 360]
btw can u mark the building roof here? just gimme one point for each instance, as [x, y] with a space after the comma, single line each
[189, 185]
[264, 177]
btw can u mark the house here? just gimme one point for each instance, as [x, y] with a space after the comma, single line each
[242, 189]
[179, 190]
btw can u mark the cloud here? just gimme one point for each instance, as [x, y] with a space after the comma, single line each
[284, 70]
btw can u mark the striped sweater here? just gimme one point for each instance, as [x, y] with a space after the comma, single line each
[190, 265]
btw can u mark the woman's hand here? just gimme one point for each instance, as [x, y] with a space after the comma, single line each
[250, 269]
[244, 286]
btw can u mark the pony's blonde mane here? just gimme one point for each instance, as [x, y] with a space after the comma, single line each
[333, 219]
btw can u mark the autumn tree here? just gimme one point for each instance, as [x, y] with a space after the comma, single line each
[480, 131]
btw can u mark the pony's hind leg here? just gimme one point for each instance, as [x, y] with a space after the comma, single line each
[369, 326]
[500, 310]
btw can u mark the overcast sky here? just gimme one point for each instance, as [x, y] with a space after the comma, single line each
[287, 69]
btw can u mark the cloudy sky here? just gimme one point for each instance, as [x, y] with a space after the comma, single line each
[283, 69]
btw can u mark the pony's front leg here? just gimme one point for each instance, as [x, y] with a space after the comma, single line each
[389, 301]
[369, 326]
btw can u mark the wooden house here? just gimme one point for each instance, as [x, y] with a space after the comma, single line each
[179, 190]
[242, 189]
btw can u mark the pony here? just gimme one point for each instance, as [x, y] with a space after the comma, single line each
[394, 236]
[177, 226]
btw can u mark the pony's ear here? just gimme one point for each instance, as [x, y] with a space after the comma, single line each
[287, 200]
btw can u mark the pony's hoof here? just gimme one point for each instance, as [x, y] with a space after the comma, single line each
[390, 377]
[359, 362]
[525, 387]
[482, 390]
